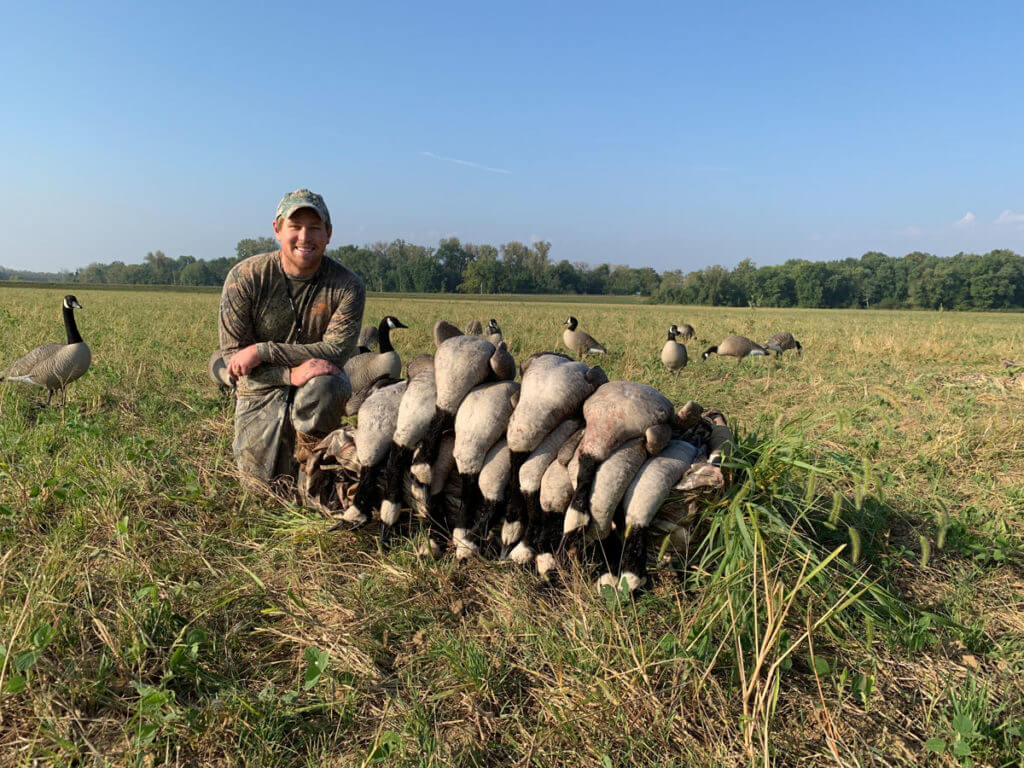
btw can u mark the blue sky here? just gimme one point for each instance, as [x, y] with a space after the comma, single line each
[673, 135]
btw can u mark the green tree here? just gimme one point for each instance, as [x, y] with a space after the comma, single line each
[197, 273]
[250, 246]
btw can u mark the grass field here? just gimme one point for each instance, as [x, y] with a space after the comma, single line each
[856, 599]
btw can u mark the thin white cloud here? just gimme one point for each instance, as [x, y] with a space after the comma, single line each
[469, 163]
[966, 221]
[1009, 217]
[912, 231]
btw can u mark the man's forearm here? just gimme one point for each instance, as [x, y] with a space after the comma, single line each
[290, 355]
[271, 375]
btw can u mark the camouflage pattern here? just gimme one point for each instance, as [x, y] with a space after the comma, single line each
[255, 309]
[303, 198]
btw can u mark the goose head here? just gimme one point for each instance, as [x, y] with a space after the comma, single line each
[70, 302]
[394, 322]
[571, 322]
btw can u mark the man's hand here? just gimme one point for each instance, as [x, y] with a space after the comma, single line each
[310, 369]
[243, 361]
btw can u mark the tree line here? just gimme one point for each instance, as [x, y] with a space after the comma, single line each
[994, 280]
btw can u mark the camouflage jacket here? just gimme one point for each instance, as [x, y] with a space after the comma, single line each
[256, 307]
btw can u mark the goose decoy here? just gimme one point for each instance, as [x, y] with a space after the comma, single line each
[56, 365]
[673, 354]
[368, 337]
[736, 346]
[782, 341]
[579, 342]
[684, 331]
[364, 368]
[493, 334]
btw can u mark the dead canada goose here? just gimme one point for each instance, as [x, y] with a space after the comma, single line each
[616, 412]
[736, 346]
[579, 342]
[56, 365]
[641, 502]
[480, 422]
[673, 354]
[782, 341]
[553, 389]
[443, 330]
[218, 371]
[684, 332]
[414, 415]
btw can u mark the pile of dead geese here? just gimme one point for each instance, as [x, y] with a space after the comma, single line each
[560, 465]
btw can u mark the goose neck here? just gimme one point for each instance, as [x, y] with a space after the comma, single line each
[384, 337]
[74, 337]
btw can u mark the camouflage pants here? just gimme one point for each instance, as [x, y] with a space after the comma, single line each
[267, 418]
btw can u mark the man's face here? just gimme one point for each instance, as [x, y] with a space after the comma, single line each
[304, 237]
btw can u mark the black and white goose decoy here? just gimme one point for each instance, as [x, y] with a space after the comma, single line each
[579, 342]
[56, 365]
[363, 369]
[736, 346]
[673, 354]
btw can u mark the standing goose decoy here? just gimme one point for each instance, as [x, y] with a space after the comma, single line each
[673, 354]
[579, 342]
[684, 331]
[782, 341]
[368, 336]
[56, 365]
[493, 334]
[736, 346]
[362, 369]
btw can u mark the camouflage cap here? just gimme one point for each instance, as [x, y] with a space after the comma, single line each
[302, 198]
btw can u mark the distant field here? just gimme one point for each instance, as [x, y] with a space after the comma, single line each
[152, 612]
[517, 297]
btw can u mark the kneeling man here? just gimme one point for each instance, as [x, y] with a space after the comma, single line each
[289, 321]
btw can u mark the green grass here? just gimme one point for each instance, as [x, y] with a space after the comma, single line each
[152, 612]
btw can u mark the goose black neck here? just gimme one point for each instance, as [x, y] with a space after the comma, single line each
[384, 336]
[74, 337]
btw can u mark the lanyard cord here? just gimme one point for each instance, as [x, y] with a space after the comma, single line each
[298, 311]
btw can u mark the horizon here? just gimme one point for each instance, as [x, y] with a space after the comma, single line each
[674, 138]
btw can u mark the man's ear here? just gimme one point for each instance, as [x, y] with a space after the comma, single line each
[329, 231]
[277, 230]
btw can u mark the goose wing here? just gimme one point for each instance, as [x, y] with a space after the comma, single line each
[591, 344]
[26, 366]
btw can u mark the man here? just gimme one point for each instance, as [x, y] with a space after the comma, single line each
[288, 322]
